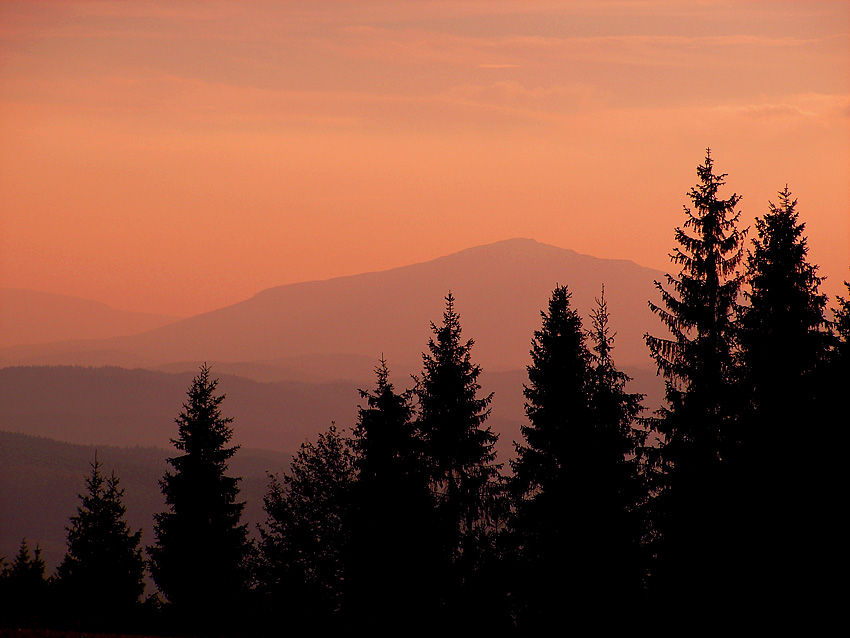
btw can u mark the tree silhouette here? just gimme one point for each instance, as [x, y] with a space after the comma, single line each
[576, 477]
[698, 363]
[391, 554]
[783, 334]
[842, 328]
[544, 475]
[459, 451]
[23, 589]
[101, 578]
[615, 456]
[785, 343]
[307, 530]
[199, 559]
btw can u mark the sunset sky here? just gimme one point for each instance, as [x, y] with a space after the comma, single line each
[176, 157]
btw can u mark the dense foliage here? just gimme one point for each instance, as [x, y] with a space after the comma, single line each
[306, 534]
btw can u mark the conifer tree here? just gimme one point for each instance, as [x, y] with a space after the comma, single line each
[23, 589]
[616, 457]
[785, 344]
[576, 476]
[783, 336]
[544, 474]
[101, 578]
[391, 551]
[305, 539]
[459, 451]
[199, 559]
[614, 409]
[842, 328]
[556, 404]
[698, 362]
[385, 436]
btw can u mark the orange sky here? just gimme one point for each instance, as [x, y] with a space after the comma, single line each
[176, 157]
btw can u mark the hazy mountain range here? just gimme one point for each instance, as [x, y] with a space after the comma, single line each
[28, 317]
[290, 360]
[499, 289]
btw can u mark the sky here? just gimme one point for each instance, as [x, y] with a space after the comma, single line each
[177, 157]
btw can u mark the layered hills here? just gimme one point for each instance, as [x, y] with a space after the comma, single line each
[290, 360]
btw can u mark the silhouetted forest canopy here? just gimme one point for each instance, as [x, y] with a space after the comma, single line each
[710, 508]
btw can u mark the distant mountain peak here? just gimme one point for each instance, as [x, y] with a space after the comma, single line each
[500, 289]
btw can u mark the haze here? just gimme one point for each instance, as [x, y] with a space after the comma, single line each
[173, 158]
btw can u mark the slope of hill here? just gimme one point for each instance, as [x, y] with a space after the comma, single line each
[29, 317]
[40, 479]
[130, 415]
[119, 407]
[499, 289]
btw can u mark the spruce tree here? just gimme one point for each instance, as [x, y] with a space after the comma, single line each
[388, 450]
[544, 474]
[842, 329]
[199, 559]
[24, 589]
[616, 458]
[783, 335]
[785, 344]
[391, 552]
[556, 405]
[459, 454]
[698, 429]
[101, 578]
[306, 535]
[576, 478]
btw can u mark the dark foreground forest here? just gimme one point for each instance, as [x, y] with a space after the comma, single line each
[713, 510]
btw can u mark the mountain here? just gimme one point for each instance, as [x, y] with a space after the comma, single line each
[40, 479]
[119, 407]
[30, 317]
[499, 289]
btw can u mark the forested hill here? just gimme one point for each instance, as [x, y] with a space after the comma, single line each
[115, 406]
[41, 477]
[120, 407]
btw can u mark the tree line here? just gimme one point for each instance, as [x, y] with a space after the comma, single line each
[711, 507]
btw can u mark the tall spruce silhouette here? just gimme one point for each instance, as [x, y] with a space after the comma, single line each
[101, 578]
[698, 429]
[783, 330]
[306, 535]
[199, 559]
[576, 478]
[459, 453]
[785, 345]
[617, 476]
[546, 471]
[391, 555]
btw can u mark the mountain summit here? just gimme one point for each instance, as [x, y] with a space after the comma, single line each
[499, 289]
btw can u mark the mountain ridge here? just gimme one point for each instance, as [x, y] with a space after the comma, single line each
[29, 317]
[500, 289]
